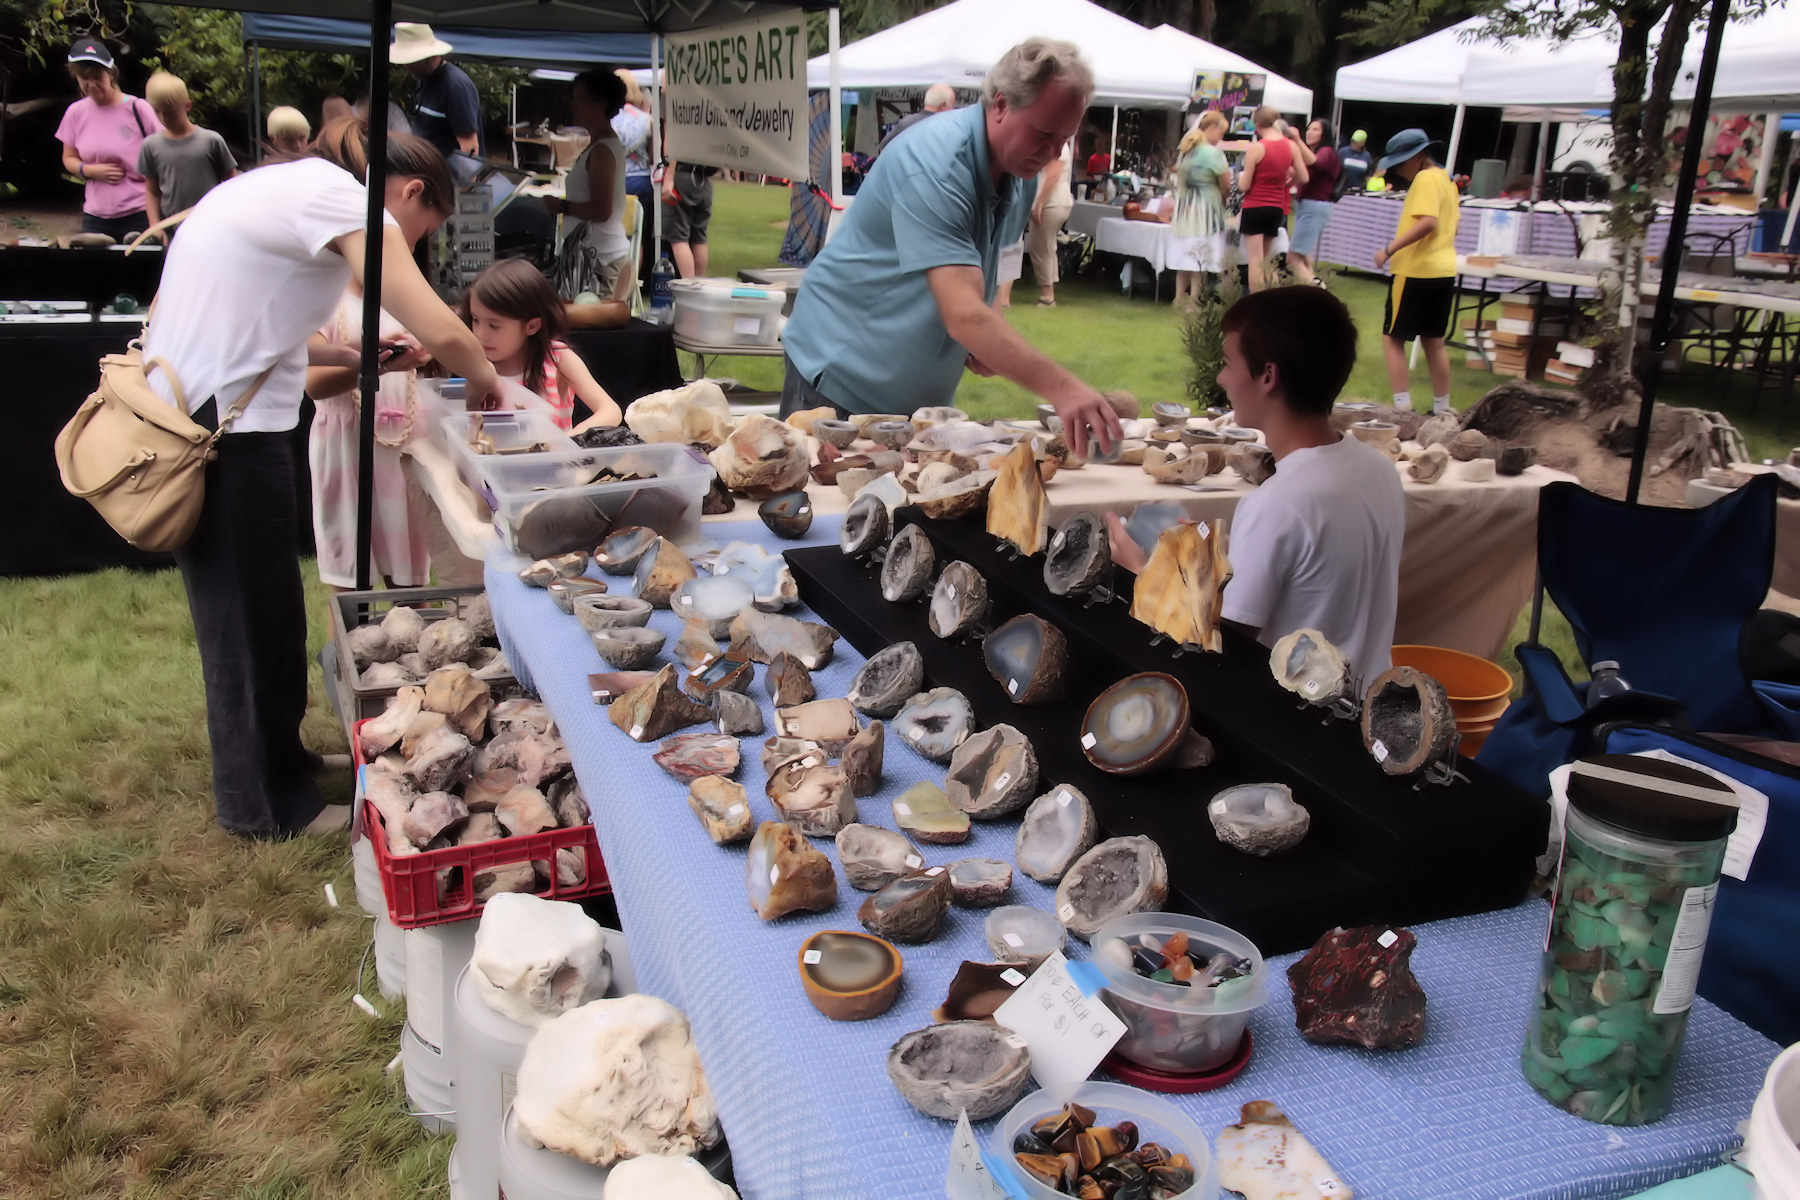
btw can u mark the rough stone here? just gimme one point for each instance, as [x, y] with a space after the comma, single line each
[1352, 989]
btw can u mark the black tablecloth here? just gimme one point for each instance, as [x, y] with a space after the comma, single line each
[48, 371]
[629, 362]
[90, 274]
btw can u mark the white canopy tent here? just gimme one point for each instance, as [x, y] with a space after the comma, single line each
[1428, 71]
[1186, 54]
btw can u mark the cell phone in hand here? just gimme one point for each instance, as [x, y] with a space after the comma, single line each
[385, 352]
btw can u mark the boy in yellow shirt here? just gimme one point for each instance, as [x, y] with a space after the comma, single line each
[1422, 291]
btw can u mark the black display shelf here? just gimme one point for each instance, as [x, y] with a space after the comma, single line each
[1380, 850]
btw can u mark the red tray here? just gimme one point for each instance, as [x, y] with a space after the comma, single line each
[411, 882]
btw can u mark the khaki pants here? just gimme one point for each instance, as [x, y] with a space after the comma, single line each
[1040, 243]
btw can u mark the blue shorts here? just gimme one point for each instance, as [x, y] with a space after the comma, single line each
[1309, 224]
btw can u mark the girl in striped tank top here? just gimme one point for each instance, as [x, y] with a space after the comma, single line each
[517, 316]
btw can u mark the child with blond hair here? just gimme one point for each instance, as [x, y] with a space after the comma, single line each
[183, 161]
[288, 130]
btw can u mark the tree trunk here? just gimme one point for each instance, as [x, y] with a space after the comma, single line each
[1208, 14]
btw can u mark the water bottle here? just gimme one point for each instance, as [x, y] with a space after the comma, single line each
[662, 294]
[1606, 682]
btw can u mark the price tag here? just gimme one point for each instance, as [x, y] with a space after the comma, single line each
[914, 861]
[1063, 797]
[1012, 687]
[803, 510]
[935, 872]
[915, 733]
[811, 957]
[1088, 740]
[637, 733]
[1387, 939]
[1379, 749]
[1000, 783]
[902, 810]
[736, 810]
[1312, 687]
[1068, 1030]
[1013, 940]
[1329, 1185]
[1205, 530]
[774, 875]
[967, 1177]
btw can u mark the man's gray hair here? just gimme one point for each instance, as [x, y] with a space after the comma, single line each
[940, 96]
[1023, 71]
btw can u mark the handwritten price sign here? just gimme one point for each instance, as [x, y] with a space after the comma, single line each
[1059, 1014]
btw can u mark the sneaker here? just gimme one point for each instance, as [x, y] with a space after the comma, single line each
[333, 762]
[333, 818]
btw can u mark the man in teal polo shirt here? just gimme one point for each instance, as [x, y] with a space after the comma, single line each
[897, 304]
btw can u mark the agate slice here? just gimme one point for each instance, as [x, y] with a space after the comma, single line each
[784, 874]
[563, 591]
[979, 882]
[874, 857]
[766, 635]
[712, 601]
[849, 976]
[959, 601]
[628, 648]
[957, 498]
[865, 528]
[831, 723]
[1079, 556]
[973, 1066]
[911, 909]
[935, 723]
[788, 682]
[1407, 722]
[725, 673]
[1029, 657]
[723, 808]
[1149, 519]
[688, 756]
[1167, 412]
[813, 796]
[1015, 508]
[888, 680]
[619, 552]
[978, 990]
[661, 570]
[1058, 828]
[695, 647]
[1308, 665]
[597, 612]
[862, 759]
[1263, 1157]
[1027, 936]
[737, 714]
[772, 584]
[906, 572]
[777, 752]
[1177, 594]
[1258, 818]
[788, 515]
[1356, 987]
[1135, 725]
[925, 812]
[1118, 877]
[654, 710]
[994, 773]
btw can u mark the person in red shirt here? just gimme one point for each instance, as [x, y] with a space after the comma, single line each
[1099, 163]
[1271, 166]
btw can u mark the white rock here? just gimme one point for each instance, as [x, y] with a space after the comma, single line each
[616, 1079]
[536, 959]
[697, 412]
[664, 1177]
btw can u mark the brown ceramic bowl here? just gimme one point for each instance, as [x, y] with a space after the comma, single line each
[875, 993]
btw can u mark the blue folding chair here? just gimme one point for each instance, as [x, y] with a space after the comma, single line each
[1665, 593]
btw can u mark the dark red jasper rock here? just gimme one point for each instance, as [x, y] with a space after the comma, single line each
[1352, 989]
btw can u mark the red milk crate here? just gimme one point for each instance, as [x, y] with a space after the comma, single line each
[412, 882]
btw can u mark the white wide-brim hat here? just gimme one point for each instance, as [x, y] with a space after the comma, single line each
[413, 42]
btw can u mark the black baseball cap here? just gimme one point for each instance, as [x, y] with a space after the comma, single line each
[91, 50]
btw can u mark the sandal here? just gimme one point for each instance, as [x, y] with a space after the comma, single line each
[1046, 304]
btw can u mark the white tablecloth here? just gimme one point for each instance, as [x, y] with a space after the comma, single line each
[1155, 243]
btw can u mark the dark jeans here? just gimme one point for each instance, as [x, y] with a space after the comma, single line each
[798, 395]
[242, 571]
[121, 229]
[639, 186]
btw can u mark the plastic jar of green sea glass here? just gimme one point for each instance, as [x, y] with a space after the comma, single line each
[1642, 847]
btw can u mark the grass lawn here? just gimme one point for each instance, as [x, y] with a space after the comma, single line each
[175, 1015]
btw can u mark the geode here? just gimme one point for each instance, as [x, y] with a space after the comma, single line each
[619, 551]
[874, 857]
[596, 611]
[1027, 936]
[371, 644]
[628, 647]
[1407, 721]
[1137, 724]
[910, 909]
[431, 815]
[865, 528]
[888, 680]
[907, 569]
[737, 714]
[1255, 463]
[862, 759]
[974, 1066]
[1264, 1156]
[451, 640]
[763, 457]
[712, 601]
[1356, 987]
[660, 571]
[768, 575]
[688, 756]
[994, 773]
[723, 808]
[813, 796]
[1058, 828]
[1258, 818]
[1308, 665]
[536, 959]
[1015, 509]
[957, 498]
[440, 760]
[766, 635]
[925, 812]
[784, 874]
[788, 682]
[1118, 877]
[1079, 556]
[788, 515]
[935, 723]
[563, 591]
[464, 700]
[831, 723]
[1029, 657]
[979, 882]
[959, 601]
[656, 709]
[1429, 465]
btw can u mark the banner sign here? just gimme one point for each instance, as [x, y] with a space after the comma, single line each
[737, 96]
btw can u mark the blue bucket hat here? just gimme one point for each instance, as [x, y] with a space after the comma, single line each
[1404, 145]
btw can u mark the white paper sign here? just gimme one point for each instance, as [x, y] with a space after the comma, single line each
[967, 1177]
[737, 95]
[1068, 1031]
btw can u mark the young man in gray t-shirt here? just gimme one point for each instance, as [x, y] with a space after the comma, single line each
[184, 161]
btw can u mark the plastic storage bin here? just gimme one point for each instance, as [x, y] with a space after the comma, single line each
[514, 433]
[668, 500]
[719, 312]
[1169, 1026]
[440, 398]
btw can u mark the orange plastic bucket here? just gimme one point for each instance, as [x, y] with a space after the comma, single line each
[1464, 676]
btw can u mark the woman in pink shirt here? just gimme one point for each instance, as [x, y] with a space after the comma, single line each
[101, 134]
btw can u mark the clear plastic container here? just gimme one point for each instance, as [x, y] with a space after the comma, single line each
[1170, 1026]
[440, 398]
[1157, 1121]
[668, 500]
[1628, 924]
[719, 312]
[513, 435]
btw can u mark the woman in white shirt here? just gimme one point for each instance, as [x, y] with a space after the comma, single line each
[260, 266]
[595, 249]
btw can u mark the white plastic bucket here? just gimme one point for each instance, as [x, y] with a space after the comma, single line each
[390, 957]
[1770, 1150]
[427, 1082]
[489, 1048]
[435, 956]
[540, 1174]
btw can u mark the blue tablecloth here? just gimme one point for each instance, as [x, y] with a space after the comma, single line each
[806, 1102]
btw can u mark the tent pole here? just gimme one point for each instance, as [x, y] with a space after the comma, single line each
[250, 95]
[381, 16]
[1671, 260]
[1787, 232]
[1456, 128]
[1337, 121]
[835, 162]
[1112, 147]
[256, 101]
[512, 123]
[1537, 181]
[1771, 131]
[656, 148]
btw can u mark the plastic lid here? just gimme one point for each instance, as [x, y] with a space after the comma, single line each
[1654, 798]
[1605, 664]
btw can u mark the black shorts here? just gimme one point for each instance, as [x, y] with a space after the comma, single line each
[1418, 308]
[687, 220]
[1262, 222]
